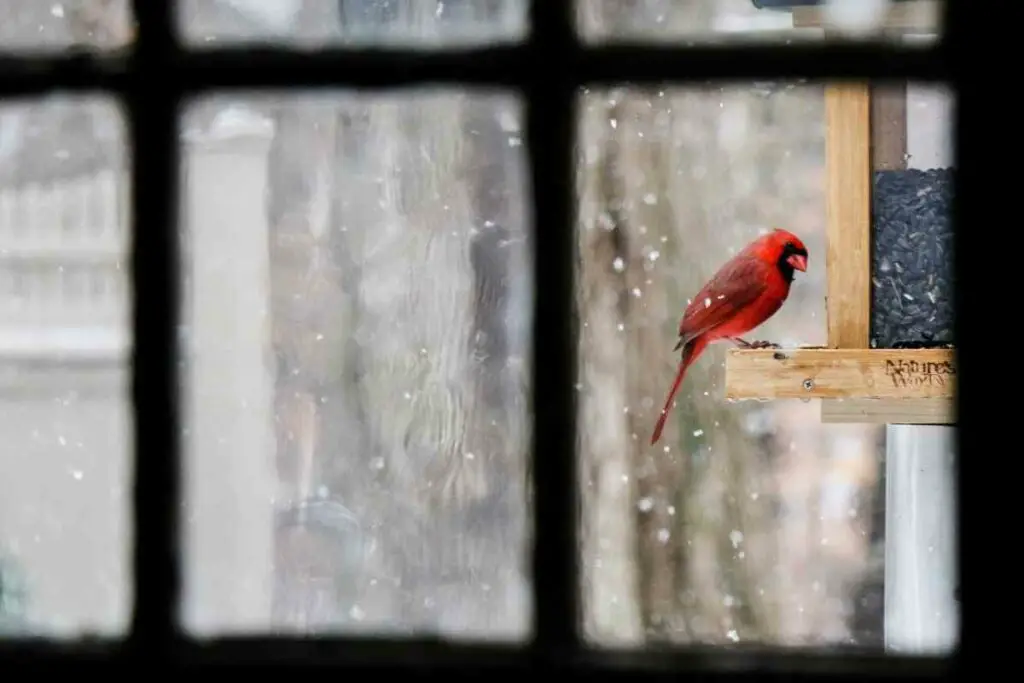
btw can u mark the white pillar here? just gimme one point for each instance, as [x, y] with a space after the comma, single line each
[922, 615]
[229, 446]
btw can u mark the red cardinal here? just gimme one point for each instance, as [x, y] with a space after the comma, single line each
[744, 293]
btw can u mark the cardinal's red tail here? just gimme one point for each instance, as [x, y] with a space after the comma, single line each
[690, 353]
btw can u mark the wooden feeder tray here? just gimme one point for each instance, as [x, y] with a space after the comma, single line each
[856, 383]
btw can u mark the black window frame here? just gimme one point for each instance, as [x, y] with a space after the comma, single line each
[155, 75]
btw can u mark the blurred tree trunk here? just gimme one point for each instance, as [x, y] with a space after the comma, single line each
[500, 334]
[309, 309]
[611, 578]
[636, 183]
[437, 401]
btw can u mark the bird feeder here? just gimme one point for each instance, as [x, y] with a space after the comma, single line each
[889, 357]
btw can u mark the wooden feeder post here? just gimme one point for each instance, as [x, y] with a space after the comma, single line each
[909, 390]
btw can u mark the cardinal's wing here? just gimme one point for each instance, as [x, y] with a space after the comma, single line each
[736, 285]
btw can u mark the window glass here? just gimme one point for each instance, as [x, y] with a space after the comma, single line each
[357, 324]
[758, 21]
[751, 521]
[308, 23]
[65, 419]
[40, 26]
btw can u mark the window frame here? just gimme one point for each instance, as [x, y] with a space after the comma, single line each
[157, 74]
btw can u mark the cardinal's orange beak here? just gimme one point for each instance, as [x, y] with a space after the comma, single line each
[799, 262]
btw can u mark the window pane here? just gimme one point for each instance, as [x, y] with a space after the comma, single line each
[759, 21]
[64, 338]
[357, 325]
[409, 23]
[749, 521]
[35, 25]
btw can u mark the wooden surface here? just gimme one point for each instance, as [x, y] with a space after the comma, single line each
[897, 411]
[839, 373]
[919, 16]
[848, 214]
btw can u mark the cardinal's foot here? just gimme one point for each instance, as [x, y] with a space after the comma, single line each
[763, 345]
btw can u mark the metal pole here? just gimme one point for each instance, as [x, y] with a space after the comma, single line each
[922, 615]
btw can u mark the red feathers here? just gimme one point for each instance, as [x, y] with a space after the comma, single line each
[744, 293]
